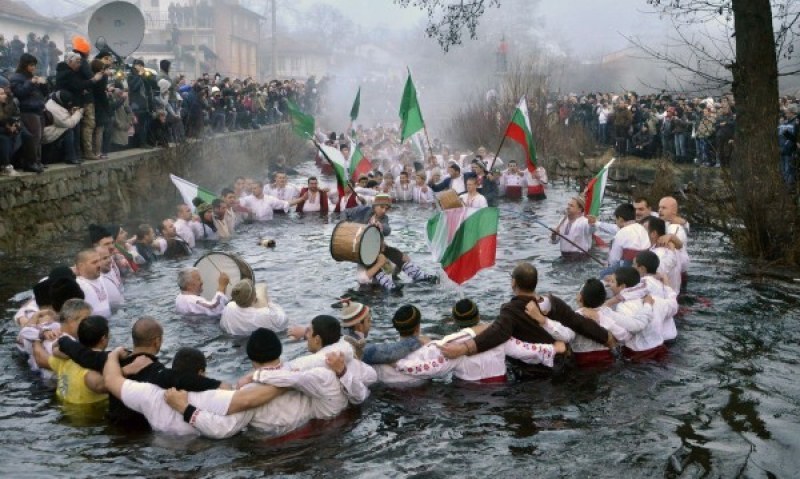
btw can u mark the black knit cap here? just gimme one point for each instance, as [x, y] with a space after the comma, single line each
[264, 346]
[465, 312]
[98, 232]
[406, 319]
[62, 290]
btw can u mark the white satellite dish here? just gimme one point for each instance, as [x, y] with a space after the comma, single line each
[117, 26]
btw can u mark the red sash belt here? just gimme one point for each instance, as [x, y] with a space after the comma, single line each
[514, 192]
[493, 380]
[659, 353]
[589, 359]
[535, 190]
[630, 254]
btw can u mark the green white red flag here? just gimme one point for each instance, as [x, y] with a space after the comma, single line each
[190, 191]
[596, 190]
[464, 240]
[358, 164]
[339, 164]
[519, 130]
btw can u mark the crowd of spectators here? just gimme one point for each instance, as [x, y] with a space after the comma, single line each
[80, 108]
[686, 130]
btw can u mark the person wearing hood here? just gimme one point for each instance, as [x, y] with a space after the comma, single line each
[30, 91]
[60, 139]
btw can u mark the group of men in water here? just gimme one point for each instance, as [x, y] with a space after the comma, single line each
[628, 311]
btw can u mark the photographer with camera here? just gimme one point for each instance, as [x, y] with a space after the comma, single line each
[30, 91]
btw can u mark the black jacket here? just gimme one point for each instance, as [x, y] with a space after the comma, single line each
[155, 373]
[73, 82]
[31, 96]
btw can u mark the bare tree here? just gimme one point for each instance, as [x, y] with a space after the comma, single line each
[449, 18]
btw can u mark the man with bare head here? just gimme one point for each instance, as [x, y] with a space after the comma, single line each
[112, 283]
[185, 226]
[87, 266]
[668, 211]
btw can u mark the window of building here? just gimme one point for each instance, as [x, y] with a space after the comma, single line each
[154, 3]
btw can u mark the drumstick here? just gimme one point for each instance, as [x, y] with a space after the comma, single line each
[213, 264]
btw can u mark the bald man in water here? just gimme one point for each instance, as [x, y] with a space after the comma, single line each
[668, 211]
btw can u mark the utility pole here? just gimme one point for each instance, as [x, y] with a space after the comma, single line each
[195, 42]
[274, 39]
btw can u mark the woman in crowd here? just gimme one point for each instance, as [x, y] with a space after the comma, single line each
[30, 91]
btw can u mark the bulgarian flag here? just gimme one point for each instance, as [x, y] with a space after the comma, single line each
[596, 189]
[190, 191]
[410, 114]
[519, 130]
[339, 164]
[464, 240]
[359, 164]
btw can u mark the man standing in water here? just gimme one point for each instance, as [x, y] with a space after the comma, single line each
[514, 321]
[668, 211]
[575, 227]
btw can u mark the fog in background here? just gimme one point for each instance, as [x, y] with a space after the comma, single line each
[370, 43]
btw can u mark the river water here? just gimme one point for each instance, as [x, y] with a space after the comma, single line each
[725, 404]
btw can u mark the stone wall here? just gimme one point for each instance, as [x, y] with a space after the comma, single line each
[130, 187]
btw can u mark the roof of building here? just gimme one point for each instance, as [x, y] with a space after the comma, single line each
[14, 9]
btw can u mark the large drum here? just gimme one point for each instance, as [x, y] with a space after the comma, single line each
[211, 264]
[449, 199]
[356, 242]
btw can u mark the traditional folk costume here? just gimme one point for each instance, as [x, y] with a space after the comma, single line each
[535, 183]
[188, 231]
[422, 197]
[476, 202]
[511, 185]
[404, 192]
[629, 241]
[637, 317]
[486, 367]
[587, 352]
[263, 208]
[579, 231]
[187, 303]
[665, 307]
[96, 294]
[316, 202]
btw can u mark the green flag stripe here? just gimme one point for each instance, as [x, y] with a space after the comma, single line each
[479, 225]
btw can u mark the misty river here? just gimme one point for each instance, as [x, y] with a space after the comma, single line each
[725, 404]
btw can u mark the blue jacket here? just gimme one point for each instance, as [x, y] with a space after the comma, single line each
[362, 214]
[387, 353]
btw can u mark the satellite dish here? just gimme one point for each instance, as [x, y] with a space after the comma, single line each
[118, 27]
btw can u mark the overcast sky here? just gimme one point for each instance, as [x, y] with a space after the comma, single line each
[587, 28]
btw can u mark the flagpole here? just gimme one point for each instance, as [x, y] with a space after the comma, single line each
[570, 242]
[430, 145]
[498, 149]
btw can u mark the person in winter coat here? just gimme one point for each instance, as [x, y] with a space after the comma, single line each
[60, 139]
[30, 91]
